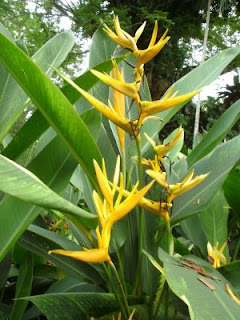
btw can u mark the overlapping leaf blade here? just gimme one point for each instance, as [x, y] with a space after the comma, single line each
[218, 164]
[21, 183]
[53, 104]
[201, 76]
[54, 165]
[13, 99]
[215, 135]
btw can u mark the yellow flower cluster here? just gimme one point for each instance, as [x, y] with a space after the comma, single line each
[110, 210]
[215, 255]
[146, 109]
[109, 206]
[157, 172]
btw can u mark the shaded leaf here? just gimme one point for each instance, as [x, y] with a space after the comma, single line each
[72, 306]
[21, 183]
[24, 286]
[216, 134]
[53, 104]
[219, 163]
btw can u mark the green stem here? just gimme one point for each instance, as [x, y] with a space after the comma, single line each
[140, 221]
[124, 314]
[120, 266]
[159, 299]
[124, 298]
[170, 239]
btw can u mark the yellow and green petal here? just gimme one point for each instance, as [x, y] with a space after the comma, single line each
[90, 256]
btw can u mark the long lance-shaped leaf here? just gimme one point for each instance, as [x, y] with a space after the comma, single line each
[215, 135]
[55, 107]
[37, 124]
[40, 241]
[24, 285]
[71, 306]
[13, 99]
[23, 184]
[196, 79]
[54, 165]
[218, 164]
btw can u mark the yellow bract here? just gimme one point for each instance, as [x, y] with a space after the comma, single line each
[119, 106]
[217, 254]
[152, 107]
[153, 49]
[109, 211]
[117, 209]
[128, 89]
[175, 190]
[162, 150]
[159, 208]
[123, 38]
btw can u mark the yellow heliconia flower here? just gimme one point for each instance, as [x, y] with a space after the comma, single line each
[216, 254]
[153, 49]
[109, 211]
[159, 208]
[152, 107]
[162, 150]
[98, 255]
[123, 38]
[119, 106]
[154, 164]
[128, 89]
[175, 190]
[108, 111]
[115, 208]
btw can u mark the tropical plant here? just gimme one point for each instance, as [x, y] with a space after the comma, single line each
[85, 231]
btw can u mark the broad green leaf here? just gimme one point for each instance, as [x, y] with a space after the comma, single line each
[64, 285]
[21, 183]
[53, 104]
[92, 120]
[203, 303]
[210, 225]
[198, 78]
[194, 232]
[16, 215]
[219, 163]
[37, 124]
[214, 219]
[13, 99]
[40, 241]
[102, 48]
[72, 306]
[215, 134]
[23, 287]
[28, 134]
